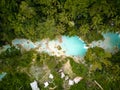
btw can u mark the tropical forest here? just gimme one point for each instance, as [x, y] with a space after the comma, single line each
[59, 44]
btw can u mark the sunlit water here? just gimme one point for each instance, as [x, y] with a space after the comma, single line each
[68, 46]
[73, 46]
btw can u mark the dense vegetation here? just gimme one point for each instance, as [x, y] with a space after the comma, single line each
[10, 61]
[100, 66]
[104, 68]
[38, 19]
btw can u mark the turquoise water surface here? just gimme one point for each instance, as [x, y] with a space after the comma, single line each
[73, 46]
[114, 39]
[27, 44]
[2, 75]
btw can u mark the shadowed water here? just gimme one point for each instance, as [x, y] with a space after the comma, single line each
[111, 42]
[114, 39]
[2, 75]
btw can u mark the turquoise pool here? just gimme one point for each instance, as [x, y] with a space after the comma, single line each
[114, 39]
[73, 46]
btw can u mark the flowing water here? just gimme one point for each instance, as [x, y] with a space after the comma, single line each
[111, 42]
[68, 46]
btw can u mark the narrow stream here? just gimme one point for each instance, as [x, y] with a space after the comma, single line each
[68, 46]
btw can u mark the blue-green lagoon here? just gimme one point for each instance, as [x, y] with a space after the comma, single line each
[114, 39]
[70, 46]
[111, 42]
[73, 46]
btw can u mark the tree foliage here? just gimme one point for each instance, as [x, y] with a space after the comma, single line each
[97, 58]
[15, 81]
[12, 58]
[40, 19]
[103, 67]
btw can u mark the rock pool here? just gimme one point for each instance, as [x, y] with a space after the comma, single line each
[73, 46]
[68, 46]
[111, 42]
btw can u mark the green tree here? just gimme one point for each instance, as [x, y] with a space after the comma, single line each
[15, 80]
[97, 58]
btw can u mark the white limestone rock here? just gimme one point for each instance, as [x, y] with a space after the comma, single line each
[62, 75]
[66, 77]
[77, 79]
[70, 82]
[46, 84]
[60, 70]
[51, 76]
[34, 85]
